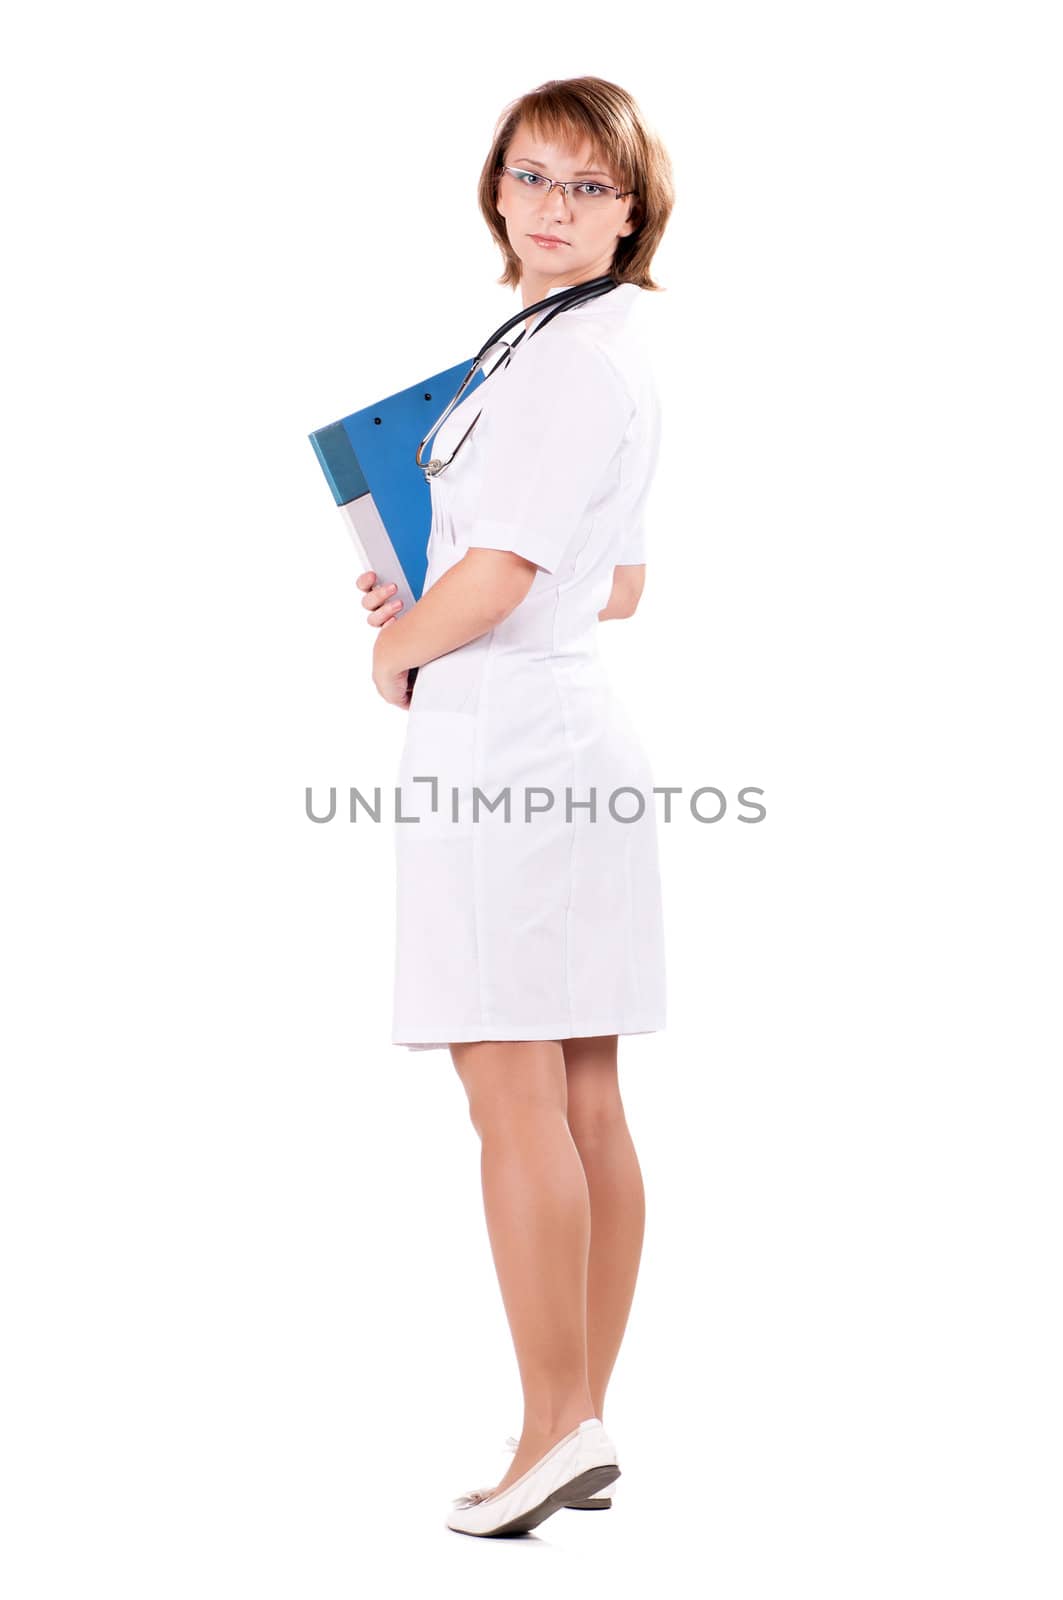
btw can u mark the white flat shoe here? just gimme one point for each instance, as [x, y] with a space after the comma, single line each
[592, 1502]
[578, 1466]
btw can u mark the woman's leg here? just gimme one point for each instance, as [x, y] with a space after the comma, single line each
[618, 1203]
[538, 1222]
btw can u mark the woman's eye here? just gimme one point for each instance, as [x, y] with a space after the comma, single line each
[533, 177]
[593, 189]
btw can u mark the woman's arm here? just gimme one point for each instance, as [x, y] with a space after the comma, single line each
[476, 594]
[628, 584]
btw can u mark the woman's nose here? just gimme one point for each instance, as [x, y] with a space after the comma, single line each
[557, 202]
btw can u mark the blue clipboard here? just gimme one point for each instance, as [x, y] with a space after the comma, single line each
[369, 464]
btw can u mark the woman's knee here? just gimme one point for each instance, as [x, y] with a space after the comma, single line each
[511, 1078]
[593, 1086]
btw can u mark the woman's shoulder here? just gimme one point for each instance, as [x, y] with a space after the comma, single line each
[577, 353]
[595, 354]
[619, 344]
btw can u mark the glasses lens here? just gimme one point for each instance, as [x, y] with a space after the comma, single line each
[534, 182]
[590, 194]
[585, 195]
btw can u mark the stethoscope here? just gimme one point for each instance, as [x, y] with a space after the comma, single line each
[574, 295]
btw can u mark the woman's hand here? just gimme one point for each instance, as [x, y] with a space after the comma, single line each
[377, 600]
[392, 681]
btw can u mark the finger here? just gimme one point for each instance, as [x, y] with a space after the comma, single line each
[386, 614]
[377, 596]
[366, 580]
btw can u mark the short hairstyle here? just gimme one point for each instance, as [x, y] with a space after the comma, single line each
[568, 110]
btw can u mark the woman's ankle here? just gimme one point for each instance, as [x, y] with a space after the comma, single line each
[555, 1424]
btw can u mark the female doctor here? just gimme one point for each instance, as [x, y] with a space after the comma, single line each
[527, 946]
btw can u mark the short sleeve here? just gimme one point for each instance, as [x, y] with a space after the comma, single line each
[631, 551]
[548, 445]
[631, 546]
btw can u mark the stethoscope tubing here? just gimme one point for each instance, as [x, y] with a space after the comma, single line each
[574, 294]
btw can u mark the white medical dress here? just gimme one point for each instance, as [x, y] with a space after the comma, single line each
[528, 893]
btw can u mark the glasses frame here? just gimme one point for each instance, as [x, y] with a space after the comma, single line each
[556, 183]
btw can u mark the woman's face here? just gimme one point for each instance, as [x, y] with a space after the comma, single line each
[587, 231]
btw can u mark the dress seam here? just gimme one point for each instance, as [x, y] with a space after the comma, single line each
[630, 918]
[477, 862]
[567, 959]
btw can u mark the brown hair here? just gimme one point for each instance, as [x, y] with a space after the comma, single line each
[567, 110]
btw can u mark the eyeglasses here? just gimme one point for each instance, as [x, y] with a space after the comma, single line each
[584, 191]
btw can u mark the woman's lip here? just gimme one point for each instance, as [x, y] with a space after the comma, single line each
[545, 238]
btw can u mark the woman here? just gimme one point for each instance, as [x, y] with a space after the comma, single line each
[529, 940]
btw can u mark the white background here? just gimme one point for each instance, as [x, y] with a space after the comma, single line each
[254, 1342]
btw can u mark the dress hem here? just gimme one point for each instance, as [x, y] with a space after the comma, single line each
[487, 1033]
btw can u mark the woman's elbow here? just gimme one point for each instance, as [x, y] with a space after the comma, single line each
[628, 584]
[507, 596]
[617, 610]
[503, 578]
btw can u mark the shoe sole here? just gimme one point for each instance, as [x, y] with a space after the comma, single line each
[580, 1488]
